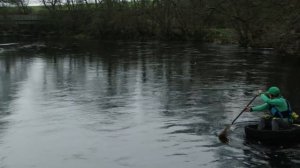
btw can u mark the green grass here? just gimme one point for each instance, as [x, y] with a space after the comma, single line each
[220, 35]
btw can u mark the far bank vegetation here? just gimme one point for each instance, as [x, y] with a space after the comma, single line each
[250, 23]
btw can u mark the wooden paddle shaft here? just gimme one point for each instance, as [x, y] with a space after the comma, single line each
[244, 109]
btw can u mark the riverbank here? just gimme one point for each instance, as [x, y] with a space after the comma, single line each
[252, 26]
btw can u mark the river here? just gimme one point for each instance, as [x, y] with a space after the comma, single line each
[136, 104]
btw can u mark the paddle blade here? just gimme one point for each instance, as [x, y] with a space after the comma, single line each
[223, 135]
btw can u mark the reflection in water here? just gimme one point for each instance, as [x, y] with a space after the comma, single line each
[133, 105]
[273, 156]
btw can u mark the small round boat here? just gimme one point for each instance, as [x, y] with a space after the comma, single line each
[289, 135]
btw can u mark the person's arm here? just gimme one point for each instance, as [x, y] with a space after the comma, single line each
[267, 100]
[261, 107]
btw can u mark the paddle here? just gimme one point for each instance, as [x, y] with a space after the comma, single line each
[223, 135]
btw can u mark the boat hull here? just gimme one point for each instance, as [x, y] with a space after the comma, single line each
[281, 136]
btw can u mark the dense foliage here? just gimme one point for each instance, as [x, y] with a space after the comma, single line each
[254, 23]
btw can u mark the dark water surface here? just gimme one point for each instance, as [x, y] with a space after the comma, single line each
[137, 105]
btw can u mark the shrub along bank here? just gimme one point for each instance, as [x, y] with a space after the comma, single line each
[248, 23]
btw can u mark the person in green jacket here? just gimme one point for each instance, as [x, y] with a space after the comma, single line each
[278, 107]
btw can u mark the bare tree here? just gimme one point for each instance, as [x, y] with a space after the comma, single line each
[51, 4]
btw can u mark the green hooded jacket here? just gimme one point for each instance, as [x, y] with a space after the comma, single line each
[279, 102]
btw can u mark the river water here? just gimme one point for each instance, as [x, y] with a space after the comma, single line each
[137, 105]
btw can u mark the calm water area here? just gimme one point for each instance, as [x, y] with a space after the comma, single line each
[137, 104]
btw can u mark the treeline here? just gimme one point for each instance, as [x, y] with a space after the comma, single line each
[254, 23]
